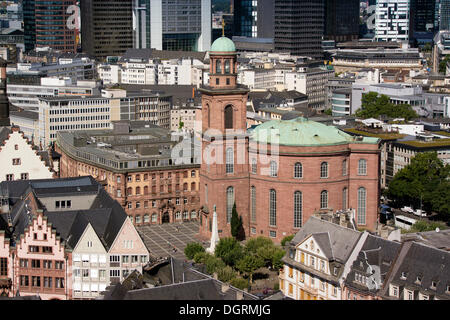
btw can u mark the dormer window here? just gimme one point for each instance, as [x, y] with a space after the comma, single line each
[403, 276]
[419, 279]
[433, 284]
[448, 289]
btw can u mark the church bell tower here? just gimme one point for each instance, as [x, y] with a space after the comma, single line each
[224, 172]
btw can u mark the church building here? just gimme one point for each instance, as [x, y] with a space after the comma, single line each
[280, 172]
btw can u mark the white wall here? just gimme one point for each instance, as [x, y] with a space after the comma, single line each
[30, 162]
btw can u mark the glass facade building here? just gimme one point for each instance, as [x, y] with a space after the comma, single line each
[254, 18]
[444, 15]
[46, 25]
[341, 20]
[299, 27]
[172, 24]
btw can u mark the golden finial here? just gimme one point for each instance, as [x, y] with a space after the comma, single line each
[223, 27]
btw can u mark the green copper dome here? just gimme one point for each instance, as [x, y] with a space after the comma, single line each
[303, 132]
[223, 44]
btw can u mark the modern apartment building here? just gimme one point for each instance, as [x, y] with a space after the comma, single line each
[299, 27]
[107, 27]
[46, 25]
[423, 20]
[392, 20]
[172, 24]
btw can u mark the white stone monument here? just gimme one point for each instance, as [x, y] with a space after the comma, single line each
[214, 233]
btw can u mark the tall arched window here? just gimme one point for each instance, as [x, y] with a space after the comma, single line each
[272, 208]
[297, 209]
[344, 198]
[230, 202]
[362, 206]
[253, 204]
[362, 167]
[228, 113]
[229, 166]
[324, 199]
[227, 66]
[298, 170]
[218, 66]
[254, 166]
[273, 169]
[344, 167]
[324, 170]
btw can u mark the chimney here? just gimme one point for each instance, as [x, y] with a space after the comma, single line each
[225, 287]
[343, 219]
[215, 276]
[239, 295]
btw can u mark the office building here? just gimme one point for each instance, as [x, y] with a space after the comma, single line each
[136, 164]
[172, 25]
[444, 15]
[341, 20]
[107, 27]
[422, 20]
[392, 23]
[299, 27]
[46, 25]
[254, 19]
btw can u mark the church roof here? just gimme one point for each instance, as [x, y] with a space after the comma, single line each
[303, 132]
[223, 44]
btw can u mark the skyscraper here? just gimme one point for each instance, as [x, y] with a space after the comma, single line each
[341, 20]
[107, 27]
[172, 24]
[444, 13]
[422, 19]
[46, 25]
[254, 18]
[392, 22]
[299, 27]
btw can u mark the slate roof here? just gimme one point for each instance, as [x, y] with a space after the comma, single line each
[428, 263]
[341, 240]
[105, 215]
[375, 251]
[439, 240]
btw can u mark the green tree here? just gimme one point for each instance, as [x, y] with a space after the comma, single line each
[286, 239]
[201, 257]
[235, 223]
[424, 182]
[328, 112]
[254, 244]
[443, 64]
[193, 248]
[271, 255]
[248, 264]
[373, 106]
[229, 250]
[422, 226]
[226, 274]
[239, 283]
[181, 125]
[213, 264]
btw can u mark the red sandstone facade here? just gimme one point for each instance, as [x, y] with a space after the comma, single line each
[342, 185]
[151, 196]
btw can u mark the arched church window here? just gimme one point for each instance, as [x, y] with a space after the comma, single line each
[228, 117]
[218, 66]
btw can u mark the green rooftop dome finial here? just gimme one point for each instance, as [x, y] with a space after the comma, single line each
[223, 44]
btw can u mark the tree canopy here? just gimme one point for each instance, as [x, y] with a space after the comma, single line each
[374, 105]
[229, 250]
[424, 181]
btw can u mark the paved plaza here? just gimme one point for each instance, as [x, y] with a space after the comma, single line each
[169, 239]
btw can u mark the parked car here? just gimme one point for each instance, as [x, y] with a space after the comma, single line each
[407, 209]
[420, 213]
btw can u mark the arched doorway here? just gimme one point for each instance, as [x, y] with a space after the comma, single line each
[165, 217]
